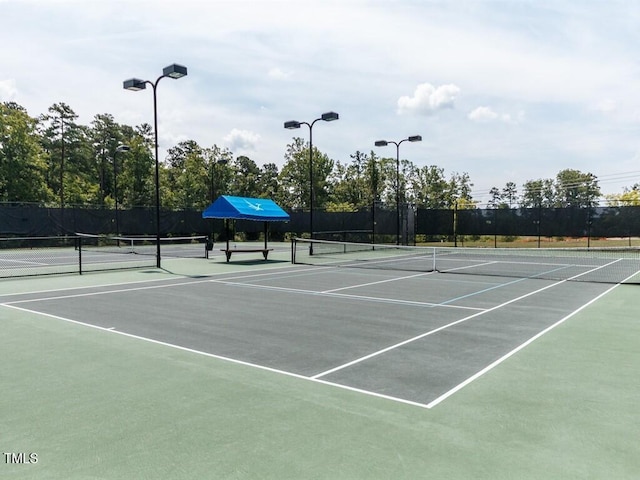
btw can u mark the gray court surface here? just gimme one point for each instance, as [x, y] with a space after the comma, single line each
[409, 337]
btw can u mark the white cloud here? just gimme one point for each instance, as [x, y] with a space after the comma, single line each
[482, 114]
[606, 106]
[278, 74]
[428, 99]
[487, 114]
[557, 61]
[8, 90]
[241, 140]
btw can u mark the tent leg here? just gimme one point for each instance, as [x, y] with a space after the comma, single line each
[226, 227]
[266, 231]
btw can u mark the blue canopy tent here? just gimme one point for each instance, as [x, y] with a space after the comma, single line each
[244, 208]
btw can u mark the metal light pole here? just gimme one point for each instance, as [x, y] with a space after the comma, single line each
[384, 143]
[119, 148]
[174, 71]
[293, 124]
[220, 161]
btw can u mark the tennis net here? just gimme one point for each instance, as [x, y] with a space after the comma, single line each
[104, 251]
[34, 256]
[604, 265]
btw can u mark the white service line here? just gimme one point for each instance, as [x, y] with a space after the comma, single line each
[345, 295]
[445, 395]
[497, 362]
[531, 340]
[378, 282]
[431, 332]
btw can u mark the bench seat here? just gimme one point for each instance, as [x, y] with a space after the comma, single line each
[264, 251]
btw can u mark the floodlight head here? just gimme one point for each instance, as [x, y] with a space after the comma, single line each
[415, 138]
[174, 71]
[123, 148]
[292, 124]
[330, 116]
[134, 84]
[381, 143]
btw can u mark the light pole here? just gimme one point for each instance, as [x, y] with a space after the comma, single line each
[384, 143]
[119, 148]
[220, 161]
[293, 124]
[174, 71]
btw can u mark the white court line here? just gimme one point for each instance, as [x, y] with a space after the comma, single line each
[458, 387]
[176, 278]
[107, 292]
[208, 278]
[218, 357]
[345, 295]
[85, 287]
[302, 377]
[431, 332]
[436, 330]
[22, 262]
[378, 282]
[315, 378]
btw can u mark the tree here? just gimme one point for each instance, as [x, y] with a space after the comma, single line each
[389, 180]
[191, 186]
[59, 131]
[350, 185]
[374, 178]
[430, 187]
[496, 197]
[294, 176]
[576, 189]
[136, 182]
[246, 176]
[219, 171]
[509, 193]
[629, 197]
[538, 194]
[186, 154]
[460, 189]
[268, 184]
[22, 166]
[105, 137]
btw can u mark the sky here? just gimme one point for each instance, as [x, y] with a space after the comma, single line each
[506, 91]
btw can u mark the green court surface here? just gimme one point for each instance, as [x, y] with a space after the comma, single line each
[95, 404]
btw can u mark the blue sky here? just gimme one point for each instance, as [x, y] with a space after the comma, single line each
[503, 90]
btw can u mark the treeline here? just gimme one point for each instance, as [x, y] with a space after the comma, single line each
[51, 160]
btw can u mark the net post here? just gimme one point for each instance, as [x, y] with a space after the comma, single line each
[293, 250]
[79, 240]
[433, 253]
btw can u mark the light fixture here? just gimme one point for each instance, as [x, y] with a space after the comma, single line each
[134, 84]
[292, 124]
[174, 71]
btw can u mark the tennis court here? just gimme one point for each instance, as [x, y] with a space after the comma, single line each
[258, 369]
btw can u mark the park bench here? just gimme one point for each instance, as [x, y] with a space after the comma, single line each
[229, 251]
